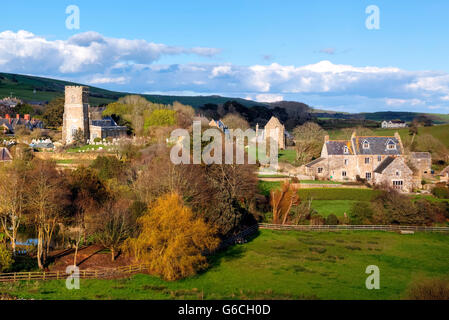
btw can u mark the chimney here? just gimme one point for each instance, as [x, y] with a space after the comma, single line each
[26, 117]
[17, 116]
[7, 116]
[326, 138]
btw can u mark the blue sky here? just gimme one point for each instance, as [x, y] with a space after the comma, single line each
[319, 53]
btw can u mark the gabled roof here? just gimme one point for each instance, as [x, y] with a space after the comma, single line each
[5, 155]
[377, 145]
[337, 147]
[384, 164]
[314, 162]
[274, 122]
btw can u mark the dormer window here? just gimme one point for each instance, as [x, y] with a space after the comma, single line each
[365, 144]
[391, 145]
[346, 149]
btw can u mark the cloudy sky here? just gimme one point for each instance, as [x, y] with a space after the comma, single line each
[321, 53]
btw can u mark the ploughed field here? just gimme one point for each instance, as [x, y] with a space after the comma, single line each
[281, 265]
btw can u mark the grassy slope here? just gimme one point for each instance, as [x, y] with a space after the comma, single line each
[281, 265]
[22, 86]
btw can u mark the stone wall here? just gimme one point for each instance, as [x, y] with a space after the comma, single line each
[76, 112]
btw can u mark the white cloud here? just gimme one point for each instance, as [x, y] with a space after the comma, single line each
[84, 52]
[131, 65]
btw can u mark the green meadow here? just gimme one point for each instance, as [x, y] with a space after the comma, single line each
[281, 265]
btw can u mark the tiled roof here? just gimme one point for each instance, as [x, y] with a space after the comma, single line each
[377, 145]
[337, 147]
[314, 162]
[384, 164]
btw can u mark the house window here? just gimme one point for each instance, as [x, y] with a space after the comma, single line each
[320, 170]
[398, 173]
[366, 160]
[343, 173]
[365, 144]
[398, 184]
[346, 149]
[346, 162]
[379, 158]
[368, 176]
[391, 146]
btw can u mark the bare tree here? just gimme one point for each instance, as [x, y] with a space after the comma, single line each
[12, 199]
[46, 196]
[309, 140]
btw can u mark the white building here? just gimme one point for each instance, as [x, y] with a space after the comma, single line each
[393, 124]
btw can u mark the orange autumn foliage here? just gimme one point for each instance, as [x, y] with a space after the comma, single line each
[172, 241]
[282, 201]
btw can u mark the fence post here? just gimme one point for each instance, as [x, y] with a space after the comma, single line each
[29, 276]
[57, 275]
[44, 276]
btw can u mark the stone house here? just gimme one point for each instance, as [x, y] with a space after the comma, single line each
[422, 161]
[360, 157]
[393, 124]
[394, 172]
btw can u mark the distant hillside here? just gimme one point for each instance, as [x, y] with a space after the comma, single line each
[30, 88]
[380, 116]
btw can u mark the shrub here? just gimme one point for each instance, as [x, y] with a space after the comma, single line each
[5, 258]
[172, 241]
[331, 220]
[161, 117]
[429, 289]
[97, 139]
[441, 192]
[361, 213]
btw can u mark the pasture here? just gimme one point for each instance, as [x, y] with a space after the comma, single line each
[280, 265]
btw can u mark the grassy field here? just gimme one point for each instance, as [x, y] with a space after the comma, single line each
[288, 155]
[337, 207]
[337, 194]
[281, 265]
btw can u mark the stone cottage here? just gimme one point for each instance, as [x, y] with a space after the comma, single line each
[394, 172]
[361, 157]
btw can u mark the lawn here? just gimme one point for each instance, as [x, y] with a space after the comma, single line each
[337, 194]
[281, 265]
[288, 155]
[337, 207]
[319, 182]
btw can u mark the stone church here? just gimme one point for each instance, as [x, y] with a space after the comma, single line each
[77, 116]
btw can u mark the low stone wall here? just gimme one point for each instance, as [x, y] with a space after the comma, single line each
[65, 156]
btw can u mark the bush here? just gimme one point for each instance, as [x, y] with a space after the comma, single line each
[5, 258]
[97, 139]
[441, 192]
[331, 220]
[361, 213]
[429, 289]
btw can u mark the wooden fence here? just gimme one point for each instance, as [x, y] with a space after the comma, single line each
[83, 274]
[352, 227]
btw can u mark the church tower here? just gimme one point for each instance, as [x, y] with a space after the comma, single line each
[76, 113]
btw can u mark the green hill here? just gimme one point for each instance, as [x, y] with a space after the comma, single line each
[30, 88]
